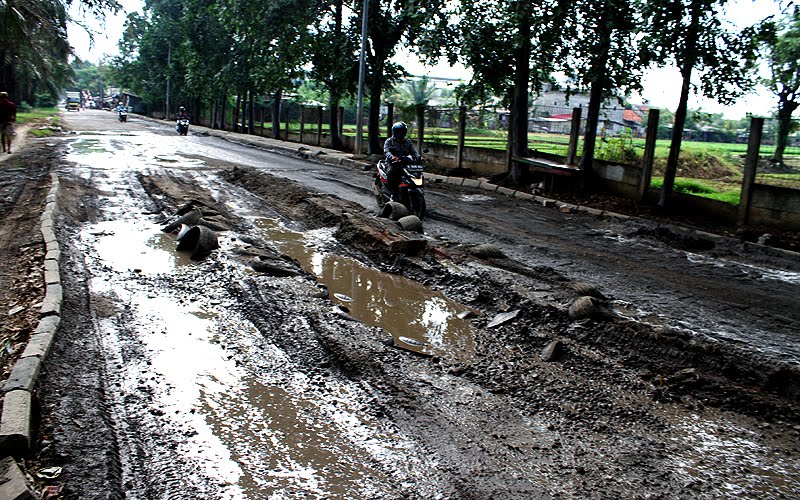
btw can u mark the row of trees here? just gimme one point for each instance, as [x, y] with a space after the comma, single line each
[203, 51]
[34, 49]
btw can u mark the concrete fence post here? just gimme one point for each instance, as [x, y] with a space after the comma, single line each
[462, 133]
[320, 114]
[302, 122]
[286, 123]
[750, 167]
[420, 127]
[649, 152]
[389, 118]
[574, 134]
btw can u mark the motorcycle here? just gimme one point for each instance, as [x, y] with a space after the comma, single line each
[122, 115]
[410, 193]
[182, 126]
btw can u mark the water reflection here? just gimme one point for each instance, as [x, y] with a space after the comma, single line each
[399, 305]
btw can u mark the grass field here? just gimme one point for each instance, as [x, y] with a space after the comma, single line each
[708, 169]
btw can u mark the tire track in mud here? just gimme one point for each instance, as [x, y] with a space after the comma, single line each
[507, 424]
[710, 302]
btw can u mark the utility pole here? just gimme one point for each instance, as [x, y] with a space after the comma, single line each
[361, 72]
[169, 68]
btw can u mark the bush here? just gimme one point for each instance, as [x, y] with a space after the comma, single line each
[24, 107]
[45, 100]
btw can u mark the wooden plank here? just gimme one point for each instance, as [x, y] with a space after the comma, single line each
[548, 166]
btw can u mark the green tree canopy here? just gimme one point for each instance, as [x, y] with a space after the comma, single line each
[783, 52]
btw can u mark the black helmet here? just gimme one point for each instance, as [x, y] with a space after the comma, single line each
[399, 130]
[182, 108]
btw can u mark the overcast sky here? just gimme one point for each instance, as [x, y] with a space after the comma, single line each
[662, 86]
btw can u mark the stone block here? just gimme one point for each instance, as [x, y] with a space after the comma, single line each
[524, 196]
[39, 345]
[53, 254]
[488, 186]
[506, 191]
[52, 275]
[332, 160]
[13, 484]
[52, 301]
[24, 374]
[48, 234]
[471, 182]
[458, 181]
[48, 324]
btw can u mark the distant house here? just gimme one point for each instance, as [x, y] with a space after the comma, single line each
[552, 112]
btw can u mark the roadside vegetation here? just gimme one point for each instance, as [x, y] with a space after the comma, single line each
[40, 117]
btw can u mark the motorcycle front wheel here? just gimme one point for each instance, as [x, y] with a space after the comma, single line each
[377, 191]
[416, 204]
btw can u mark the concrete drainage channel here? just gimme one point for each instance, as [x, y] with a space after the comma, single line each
[15, 426]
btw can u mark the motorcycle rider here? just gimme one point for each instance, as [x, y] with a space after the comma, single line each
[182, 115]
[404, 148]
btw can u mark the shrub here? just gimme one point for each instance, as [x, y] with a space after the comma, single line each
[24, 107]
[45, 100]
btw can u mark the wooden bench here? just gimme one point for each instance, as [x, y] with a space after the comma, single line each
[551, 169]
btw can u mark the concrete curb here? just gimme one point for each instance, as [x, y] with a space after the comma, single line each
[15, 425]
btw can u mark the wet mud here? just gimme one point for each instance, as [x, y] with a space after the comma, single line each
[302, 358]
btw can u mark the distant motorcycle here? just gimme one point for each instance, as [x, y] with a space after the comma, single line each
[182, 126]
[122, 115]
[410, 193]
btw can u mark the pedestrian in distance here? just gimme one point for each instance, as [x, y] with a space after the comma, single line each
[8, 115]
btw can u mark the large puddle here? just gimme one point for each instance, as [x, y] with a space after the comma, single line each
[204, 383]
[419, 319]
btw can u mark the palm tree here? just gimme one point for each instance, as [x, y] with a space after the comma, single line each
[34, 46]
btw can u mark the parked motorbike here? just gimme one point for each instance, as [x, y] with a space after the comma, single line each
[122, 115]
[410, 193]
[182, 126]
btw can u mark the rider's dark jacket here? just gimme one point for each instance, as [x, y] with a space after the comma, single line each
[404, 147]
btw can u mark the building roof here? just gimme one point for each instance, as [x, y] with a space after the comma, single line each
[630, 115]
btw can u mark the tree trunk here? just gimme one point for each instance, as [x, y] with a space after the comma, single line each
[373, 125]
[519, 112]
[677, 136]
[276, 114]
[335, 97]
[596, 93]
[251, 115]
[592, 120]
[235, 127]
[785, 110]
[680, 113]
[223, 112]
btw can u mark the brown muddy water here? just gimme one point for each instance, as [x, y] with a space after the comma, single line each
[234, 406]
[419, 319]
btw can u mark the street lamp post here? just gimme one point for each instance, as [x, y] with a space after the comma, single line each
[361, 71]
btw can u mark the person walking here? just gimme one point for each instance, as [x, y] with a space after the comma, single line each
[8, 115]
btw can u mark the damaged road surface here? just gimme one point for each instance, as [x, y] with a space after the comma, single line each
[512, 351]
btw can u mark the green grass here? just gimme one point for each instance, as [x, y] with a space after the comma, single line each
[38, 114]
[41, 133]
[703, 189]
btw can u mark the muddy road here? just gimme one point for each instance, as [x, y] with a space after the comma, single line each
[305, 357]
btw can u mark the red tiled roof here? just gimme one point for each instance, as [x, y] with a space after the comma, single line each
[630, 115]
